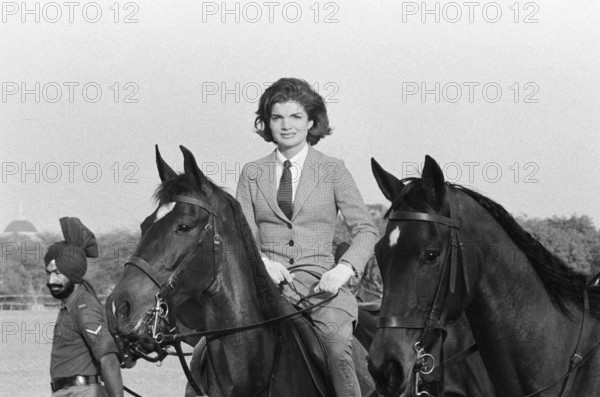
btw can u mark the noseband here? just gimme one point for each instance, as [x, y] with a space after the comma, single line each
[434, 326]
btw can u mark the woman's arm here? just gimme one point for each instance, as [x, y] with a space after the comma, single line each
[357, 217]
[244, 197]
[276, 270]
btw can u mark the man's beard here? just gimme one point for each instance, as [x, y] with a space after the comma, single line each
[63, 291]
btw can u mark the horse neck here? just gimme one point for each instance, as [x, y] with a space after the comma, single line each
[237, 289]
[247, 357]
[510, 312]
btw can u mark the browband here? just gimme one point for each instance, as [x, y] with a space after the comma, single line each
[194, 201]
[421, 216]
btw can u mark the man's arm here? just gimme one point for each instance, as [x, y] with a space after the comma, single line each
[111, 375]
[93, 327]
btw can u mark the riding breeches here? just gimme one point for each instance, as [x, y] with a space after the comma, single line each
[335, 327]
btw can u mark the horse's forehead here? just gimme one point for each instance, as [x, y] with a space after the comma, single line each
[163, 210]
[394, 236]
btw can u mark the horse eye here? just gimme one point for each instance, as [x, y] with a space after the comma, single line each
[183, 228]
[431, 257]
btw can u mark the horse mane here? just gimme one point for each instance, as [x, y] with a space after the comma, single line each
[561, 282]
[183, 184]
[265, 288]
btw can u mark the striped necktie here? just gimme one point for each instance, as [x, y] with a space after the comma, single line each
[284, 194]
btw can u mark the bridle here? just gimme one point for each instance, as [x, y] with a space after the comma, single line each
[161, 322]
[449, 291]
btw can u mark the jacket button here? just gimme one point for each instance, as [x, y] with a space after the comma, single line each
[291, 243]
[291, 261]
[289, 225]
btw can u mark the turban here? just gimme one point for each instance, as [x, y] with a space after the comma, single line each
[70, 254]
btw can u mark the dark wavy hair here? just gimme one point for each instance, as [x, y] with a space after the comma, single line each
[293, 90]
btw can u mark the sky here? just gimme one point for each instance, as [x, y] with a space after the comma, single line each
[503, 95]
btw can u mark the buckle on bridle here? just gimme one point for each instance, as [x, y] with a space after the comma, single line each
[161, 311]
[424, 365]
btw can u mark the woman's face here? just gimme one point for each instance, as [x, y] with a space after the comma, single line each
[289, 124]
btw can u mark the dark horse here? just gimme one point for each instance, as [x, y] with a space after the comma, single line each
[197, 267]
[449, 250]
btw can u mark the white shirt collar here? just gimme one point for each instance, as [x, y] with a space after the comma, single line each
[298, 159]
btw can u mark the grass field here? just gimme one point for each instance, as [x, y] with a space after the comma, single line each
[26, 342]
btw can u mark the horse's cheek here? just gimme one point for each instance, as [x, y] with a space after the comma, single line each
[425, 291]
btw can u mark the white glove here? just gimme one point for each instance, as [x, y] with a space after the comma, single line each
[277, 271]
[334, 279]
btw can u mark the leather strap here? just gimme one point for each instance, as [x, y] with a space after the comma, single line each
[401, 322]
[197, 202]
[144, 267]
[423, 217]
[226, 331]
[77, 380]
[461, 355]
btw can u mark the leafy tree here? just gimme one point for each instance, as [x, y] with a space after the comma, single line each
[114, 249]
[14, 279]
[575, 239]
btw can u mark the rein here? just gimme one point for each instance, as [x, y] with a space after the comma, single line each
[434, 326]
[163, 311]
[226, 331]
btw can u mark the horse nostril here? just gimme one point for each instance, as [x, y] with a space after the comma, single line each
[394, 371]
[387, 374]
[123, 311]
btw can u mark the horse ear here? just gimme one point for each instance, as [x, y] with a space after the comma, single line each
[389, 185]
[191, 168]
[433, 178]
[164, 171]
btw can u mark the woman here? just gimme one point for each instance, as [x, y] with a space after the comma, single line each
[291, 198]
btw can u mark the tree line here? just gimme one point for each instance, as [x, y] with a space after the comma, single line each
[575, 239]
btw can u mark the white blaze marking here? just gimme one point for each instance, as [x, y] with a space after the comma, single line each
[164, 210]
[394, 236]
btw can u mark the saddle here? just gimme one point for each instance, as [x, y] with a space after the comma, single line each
[299, 329]
[311, 346]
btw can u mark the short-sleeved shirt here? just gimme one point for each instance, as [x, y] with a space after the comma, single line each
[81, 336]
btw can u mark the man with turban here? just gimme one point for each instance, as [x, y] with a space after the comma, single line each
[84, 354]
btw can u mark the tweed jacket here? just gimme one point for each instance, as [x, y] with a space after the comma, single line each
[325, 186]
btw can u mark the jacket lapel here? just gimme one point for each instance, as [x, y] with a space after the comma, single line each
[312, 173]
[268, 185]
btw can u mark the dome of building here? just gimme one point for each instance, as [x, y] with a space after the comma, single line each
[20, 226]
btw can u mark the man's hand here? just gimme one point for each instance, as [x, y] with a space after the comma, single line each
[334, 279]
[277, 271]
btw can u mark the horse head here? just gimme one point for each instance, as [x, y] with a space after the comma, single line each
[174, 265]
[425, 283]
